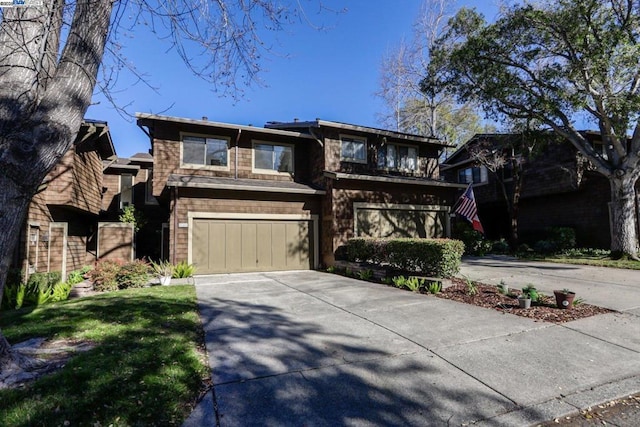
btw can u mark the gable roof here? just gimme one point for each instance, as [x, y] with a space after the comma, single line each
[95, 135]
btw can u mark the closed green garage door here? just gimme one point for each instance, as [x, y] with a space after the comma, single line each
[231, 246]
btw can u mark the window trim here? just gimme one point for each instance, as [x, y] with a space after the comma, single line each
[184, 165]
[399, 144]
[255, 170]
[355, 138]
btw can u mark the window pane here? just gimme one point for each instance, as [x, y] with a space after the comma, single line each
[263, 156]
[126, 190]
[382, 157]
[283, 158]
[359, 150]
[216, 152]
[476, 175]
[391, 156]
[412, 160]
[403, 154]
[347, 149]
[193, 150]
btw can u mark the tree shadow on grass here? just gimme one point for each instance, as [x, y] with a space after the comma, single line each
[142, 371]
[293, 360]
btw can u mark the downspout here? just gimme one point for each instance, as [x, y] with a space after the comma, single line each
[236, 153]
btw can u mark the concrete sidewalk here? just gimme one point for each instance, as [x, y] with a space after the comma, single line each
[314, 349]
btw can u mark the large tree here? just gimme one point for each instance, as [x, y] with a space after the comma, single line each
[408, 106]
[559, 63]
[50, 56]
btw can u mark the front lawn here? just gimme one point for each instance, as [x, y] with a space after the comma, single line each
[147, 366]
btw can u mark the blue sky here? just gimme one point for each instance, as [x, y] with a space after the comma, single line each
[331, 74]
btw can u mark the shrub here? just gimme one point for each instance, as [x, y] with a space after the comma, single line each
[182, 270]
[133, 275]
[103, 275]
[76, 276]
[13, 296]
[500, 247]
[562, 237]
[474, 241]
[433, 257]
[545, 247]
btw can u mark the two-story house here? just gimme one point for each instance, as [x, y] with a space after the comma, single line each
[559, 189]
[287, 196]
[60, 229]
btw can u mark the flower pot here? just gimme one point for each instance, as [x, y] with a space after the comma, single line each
[564, 299]
[165, 280]
[524, 302]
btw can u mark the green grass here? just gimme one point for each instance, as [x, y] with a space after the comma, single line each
[597, 257]
[145, 369]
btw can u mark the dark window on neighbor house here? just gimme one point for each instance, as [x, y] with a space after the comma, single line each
[149, 199]
[205, 151]
[126, 190]
[353, 149]
[273, 157]
[392, 156]
[474, 175]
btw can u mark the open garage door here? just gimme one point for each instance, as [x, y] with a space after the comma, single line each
[231, 246]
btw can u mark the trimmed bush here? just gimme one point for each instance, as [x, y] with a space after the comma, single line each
[433, 257]
[133, 275]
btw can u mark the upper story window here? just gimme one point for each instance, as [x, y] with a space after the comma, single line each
[353, 149]
[205, 151]
[272, 157]
[473, 175]
[126, 190]
[393, 156]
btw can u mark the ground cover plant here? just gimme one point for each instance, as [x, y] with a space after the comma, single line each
[544, 308]
[145, 365]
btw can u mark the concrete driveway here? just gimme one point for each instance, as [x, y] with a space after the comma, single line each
[315, 349]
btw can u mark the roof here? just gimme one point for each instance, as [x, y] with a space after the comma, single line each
[404, 180]
[218, 183]
[147, 120]
[95, 135]
[318, 123]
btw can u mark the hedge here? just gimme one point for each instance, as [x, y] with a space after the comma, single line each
[432, 257]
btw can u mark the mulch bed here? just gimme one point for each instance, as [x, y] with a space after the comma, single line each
[488, 296]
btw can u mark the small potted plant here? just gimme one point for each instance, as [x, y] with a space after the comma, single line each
[524, 300]
[564, 298]
[164, 271]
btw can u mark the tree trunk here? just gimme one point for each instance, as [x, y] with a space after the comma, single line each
[624, 223]
[51, 115]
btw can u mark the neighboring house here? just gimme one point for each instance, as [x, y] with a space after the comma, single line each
[287, 196]
[559, 190]
[60, 229]
[128, 182]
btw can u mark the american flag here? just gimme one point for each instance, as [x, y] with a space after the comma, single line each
[468, 210]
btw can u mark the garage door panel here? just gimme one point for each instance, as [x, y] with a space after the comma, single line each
[248, 247]
[217, 242]
[233, 247]
[279, 245]
[225, 246]
[263, 246]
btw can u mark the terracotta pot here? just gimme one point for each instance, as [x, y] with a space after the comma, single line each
[564, 299]
[524, 302]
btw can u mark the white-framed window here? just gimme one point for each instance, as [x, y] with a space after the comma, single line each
[475, 175]
[396, 156]
[272, 157]
[353, 149]
[126, 190]
[205, 151]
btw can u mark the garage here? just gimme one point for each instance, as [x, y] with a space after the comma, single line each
[397, 221]
[245, 245]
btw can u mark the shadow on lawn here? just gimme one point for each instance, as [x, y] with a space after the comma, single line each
[276, 363]
[141, 372]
